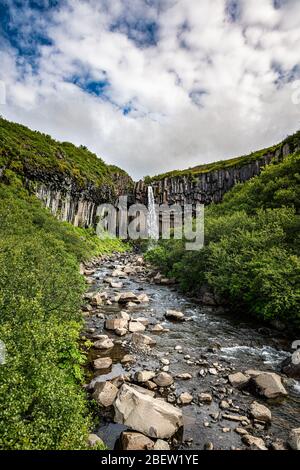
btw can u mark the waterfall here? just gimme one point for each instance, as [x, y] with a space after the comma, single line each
[152, 222]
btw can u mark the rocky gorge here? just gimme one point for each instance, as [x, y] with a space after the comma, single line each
[170, 373]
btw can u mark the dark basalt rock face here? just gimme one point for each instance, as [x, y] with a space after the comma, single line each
[205, 188]
[72, 202]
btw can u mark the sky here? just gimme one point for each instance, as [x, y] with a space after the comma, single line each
[153, 85]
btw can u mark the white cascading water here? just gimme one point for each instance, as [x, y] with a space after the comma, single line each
[152, 222]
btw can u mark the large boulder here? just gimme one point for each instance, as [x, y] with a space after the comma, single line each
[136, 327]
[238, 379]
[105, 393]
[268, 385]
[116, 323]
[174, 315]
[135, 441]
[102, 363]
[141, 412]
[260, 412]
[141, 340]
[294, 439]
[290, 368]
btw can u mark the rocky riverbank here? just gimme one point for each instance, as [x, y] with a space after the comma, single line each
[169, 374]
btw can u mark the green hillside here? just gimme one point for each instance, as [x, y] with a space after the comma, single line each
[28, 152]
[251, 257]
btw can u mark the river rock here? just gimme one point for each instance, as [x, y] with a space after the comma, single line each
[157, 328]
[291, 369]
[144, 375]
[268, 385]
[105, 393]
[127, 297]
[141, 412]
[185, 398]
[174, 315]
[94, 440]
[161, 445]
[135, 441]
[123, 315]
[184, 376]
[104, 343]
[294, 439]
[116, 285]
[255, 442]
[142, 320]
[143, 298]
[128, 359]
[238, 379]
[205, 398]
[163, 379]
[141, 340]
[102, 363]
[136, 327]
[114, 323]
[118, 273]
[121, 331]
[260, 412]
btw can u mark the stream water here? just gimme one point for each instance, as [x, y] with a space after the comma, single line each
[221, 340]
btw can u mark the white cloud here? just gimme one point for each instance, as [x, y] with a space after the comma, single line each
[205, 91]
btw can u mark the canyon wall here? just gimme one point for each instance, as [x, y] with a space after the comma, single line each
[206, 187]
[73, 203]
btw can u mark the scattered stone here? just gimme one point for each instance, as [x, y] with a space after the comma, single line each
[260, 412]
[165, 361]
[161, 445]
[163, 379]
[238, 379]
[208, 446]
[104, 343]
[178, 347]
[174, 315]
[121, 331]
[165, 368]
[143, 298]
[241, 431]
[225, 430]
[105, 393]
[123, 315]
[142, 320]
[157, 328]
[213, 371]
[224, 405]
[132, 405]
[141, 340]
[185, 398]
[116, 285]
[230, 417]
[294, 439]
[96, 300]
[136, 327]
[128, 359]
[205, 398]
[144, 375]
[135, 441]
[255, 442]
[94, 440]
[102, 363]
[150, 385]
[279, 444]
[184, 376]
[115, 323]
[126, 297]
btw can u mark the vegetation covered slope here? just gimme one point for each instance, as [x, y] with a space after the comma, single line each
[251, 256]
[42, 403]
[31, 152]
